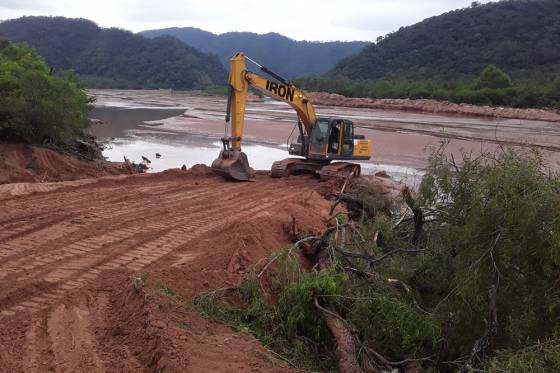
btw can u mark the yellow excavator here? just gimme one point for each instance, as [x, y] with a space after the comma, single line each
[320, 142]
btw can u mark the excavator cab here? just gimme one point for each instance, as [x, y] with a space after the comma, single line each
[333, 139]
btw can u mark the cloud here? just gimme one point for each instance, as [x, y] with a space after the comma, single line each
[172, 10]
[387, 16]
[298, 19]
[24, 4]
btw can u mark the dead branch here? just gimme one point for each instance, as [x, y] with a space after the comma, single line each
[416, 211]
[295, 246]
[357, 202]
[345, 349]
[376, 260]
[482, 344]
[338, 200]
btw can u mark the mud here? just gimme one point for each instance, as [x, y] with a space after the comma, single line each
[68, 251]
[25, 163]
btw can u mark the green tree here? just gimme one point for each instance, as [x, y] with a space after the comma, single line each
[34, 105]
[493, 77]
[555, 89]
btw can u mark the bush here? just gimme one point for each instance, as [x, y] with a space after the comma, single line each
[497, 225]
[543, 357]
[494, 78]
[34, 105]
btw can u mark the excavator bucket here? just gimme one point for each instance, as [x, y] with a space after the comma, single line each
[233, 165]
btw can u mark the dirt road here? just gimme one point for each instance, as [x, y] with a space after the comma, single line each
[67, 252]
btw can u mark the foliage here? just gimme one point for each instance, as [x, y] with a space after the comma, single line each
[287, 57]
[543, 357]
[493, 78]
[283, 317]
[114, 57]
[519, 35]
[388, 321]
[279, 310]
[217, 90]
[498, 224]
[34, 105]
[540, 92]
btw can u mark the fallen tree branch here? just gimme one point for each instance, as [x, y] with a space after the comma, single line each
[295, 246]
[417, 212]
[482, 344]
[345, 349]
[374, 259]
[338, 199]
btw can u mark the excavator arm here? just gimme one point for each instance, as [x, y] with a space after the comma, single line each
[239, 82]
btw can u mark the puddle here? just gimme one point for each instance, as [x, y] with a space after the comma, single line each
[174, 156]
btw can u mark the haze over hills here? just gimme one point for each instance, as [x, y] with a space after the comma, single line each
[285, 56]
[520, 36]
[114, 57]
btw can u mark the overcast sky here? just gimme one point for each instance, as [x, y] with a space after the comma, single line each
[298, 19]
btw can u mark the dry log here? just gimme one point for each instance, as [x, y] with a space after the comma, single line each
[345, 343]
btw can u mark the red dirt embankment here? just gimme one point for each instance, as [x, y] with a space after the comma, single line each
[67, 256]
[433, 106]
[27, 163]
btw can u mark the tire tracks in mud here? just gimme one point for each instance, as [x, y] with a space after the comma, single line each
[45, 264]
[14, 225]
[60, 251]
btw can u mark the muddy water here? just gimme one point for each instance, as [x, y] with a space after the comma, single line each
[185, 128]
[141, 132]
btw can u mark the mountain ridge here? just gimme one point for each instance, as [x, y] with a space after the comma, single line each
[520, 36]
[285, 56]
[114, 56]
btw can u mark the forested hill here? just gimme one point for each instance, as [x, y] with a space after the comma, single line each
[519, 36]
[114, 57]
[282, 55]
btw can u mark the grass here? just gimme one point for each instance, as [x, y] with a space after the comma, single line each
[138, 281]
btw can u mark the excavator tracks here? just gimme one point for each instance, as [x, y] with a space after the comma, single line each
[339, 170]
[294, 166]
[284, 167]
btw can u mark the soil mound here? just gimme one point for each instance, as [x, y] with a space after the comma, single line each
[433, 106]
[27, 163]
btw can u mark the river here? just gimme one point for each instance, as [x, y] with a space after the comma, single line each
[185, 128]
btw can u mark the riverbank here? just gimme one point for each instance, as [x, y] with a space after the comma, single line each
[436, 107]
[30, 163]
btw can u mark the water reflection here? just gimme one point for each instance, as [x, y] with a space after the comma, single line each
[260, 157]
[173, 156]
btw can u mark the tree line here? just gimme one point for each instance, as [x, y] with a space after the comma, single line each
[492, 87]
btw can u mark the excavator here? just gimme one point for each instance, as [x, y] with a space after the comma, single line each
[321, 140]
